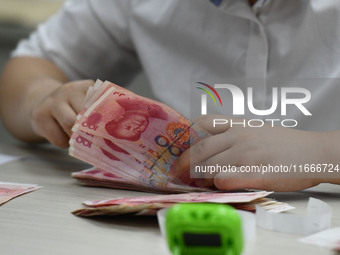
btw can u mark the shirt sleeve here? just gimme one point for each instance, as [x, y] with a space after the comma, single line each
[86, 39]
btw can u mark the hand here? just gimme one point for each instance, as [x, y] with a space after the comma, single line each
[249, 146]
[54, 115]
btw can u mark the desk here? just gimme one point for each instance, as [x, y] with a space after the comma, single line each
[40, 222]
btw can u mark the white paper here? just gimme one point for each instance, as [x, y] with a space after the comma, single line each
[7, 158]
[329, 238]
[318, 218]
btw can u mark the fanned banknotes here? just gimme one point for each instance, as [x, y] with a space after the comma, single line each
[131, 140]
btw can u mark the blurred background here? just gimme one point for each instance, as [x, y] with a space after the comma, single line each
[18, 18]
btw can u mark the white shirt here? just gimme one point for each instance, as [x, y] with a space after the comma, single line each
[275, 43]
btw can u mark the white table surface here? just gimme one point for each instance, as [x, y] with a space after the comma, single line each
[41, 222]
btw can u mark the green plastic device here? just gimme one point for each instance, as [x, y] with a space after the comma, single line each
[203, 229]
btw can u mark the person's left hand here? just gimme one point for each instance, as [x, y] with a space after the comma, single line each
[254, 146]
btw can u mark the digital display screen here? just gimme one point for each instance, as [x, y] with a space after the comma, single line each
[202, 239]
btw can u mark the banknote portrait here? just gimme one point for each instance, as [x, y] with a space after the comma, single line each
[134, 119]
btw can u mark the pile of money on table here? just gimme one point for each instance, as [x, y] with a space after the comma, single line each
[131, 140]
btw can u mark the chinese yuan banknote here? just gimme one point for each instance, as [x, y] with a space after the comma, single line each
[148, 205]
[132, 141]
[10, 190]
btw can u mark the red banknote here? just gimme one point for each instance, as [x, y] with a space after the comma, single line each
[132, 141]
[10, 190]
[149, 205]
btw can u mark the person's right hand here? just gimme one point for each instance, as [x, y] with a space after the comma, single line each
[53, 116]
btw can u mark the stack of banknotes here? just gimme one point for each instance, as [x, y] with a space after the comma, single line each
[132, 143]
[149, 205]
[131, 140]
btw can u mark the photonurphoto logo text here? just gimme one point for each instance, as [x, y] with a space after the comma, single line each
[240, 101]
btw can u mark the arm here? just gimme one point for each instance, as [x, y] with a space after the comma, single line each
[37, 103]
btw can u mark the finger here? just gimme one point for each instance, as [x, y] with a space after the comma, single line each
[229, 181]
[224, 160]
[213, 165]
[200, 152]
[65, 116]
[52, 131]
[81, 88]
[206, 171]
[84, 84]
[58, 137]
[204, 183]
[77, 103]
[207, 122]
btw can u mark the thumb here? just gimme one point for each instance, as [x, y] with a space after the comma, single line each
[207, 122]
